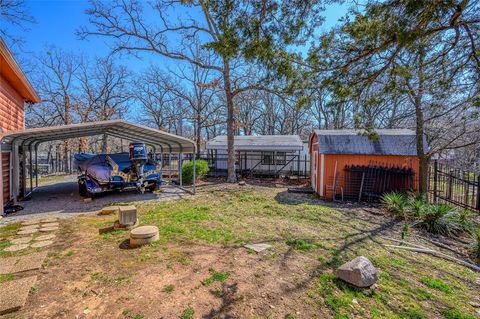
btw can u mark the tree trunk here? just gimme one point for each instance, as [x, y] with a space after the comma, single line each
[104, 144]
[232, 177]
[420, 130]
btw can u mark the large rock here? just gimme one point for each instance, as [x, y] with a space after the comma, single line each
[359, 272]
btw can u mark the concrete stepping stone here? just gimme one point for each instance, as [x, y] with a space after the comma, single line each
[14, 293]
[43, 243]
[27, 231]
[30, 222]
[17, 247]
[22, 263]
[28, 227]
[47, 229]
[45, 237]
[21, 240]
[258, 247]
[48, 220]
[143, 235]
[49, 225]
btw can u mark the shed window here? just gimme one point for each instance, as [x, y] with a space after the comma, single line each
[267, 158]
[281, 158]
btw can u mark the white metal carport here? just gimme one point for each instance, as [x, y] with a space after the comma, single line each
[24, 141]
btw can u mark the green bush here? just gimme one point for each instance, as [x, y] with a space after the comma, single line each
[187, 170]
[441, 219]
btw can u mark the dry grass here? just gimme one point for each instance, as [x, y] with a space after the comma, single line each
[200, 255]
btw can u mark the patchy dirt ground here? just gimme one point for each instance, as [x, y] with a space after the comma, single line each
[199, 268]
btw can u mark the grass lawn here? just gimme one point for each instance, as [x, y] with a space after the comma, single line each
[198, 268]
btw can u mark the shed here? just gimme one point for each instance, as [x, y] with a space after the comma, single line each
[350, 164]
[270, 155]
[15, 91]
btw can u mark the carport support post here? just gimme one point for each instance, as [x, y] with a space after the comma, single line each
[194, 171]
[31, 167]
[15, 177]
[170, 167]
[36, 165]
[180, 177]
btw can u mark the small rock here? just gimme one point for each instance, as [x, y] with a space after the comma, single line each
[258, 247]
[272, 306]
[359, 272]
[355, 301]
[241, 183]
[87, 200]
[86, 311]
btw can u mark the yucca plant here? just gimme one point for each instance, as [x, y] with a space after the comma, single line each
[417, 207]
[476, 244]
[441, 219]
[395, 203]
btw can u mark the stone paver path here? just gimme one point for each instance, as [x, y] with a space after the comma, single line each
[45, 237]
[47, 229]
[50, 225]
[27, 231]
[23, 263]
[21, 240]
[30, 222]
[14, 293]
[42, 243]
[16, 247]
[49, 220]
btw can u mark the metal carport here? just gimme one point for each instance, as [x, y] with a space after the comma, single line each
[29, 139]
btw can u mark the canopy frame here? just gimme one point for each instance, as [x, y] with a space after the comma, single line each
[29, 139]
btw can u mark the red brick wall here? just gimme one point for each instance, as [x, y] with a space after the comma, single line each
[11, 118]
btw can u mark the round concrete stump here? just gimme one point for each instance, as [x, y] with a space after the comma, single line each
[143, 235]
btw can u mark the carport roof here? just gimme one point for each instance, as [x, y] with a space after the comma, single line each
[117, 128]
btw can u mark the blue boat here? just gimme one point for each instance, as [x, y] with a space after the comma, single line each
[135, 170]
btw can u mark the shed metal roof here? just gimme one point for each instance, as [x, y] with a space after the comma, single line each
[389, 142]
[117, 128]
[258, 143]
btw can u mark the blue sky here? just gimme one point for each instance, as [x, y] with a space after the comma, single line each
[57, 21]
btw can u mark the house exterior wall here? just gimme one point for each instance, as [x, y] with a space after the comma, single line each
[11, 119]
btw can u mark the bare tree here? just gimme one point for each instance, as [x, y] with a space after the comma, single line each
[223, 29]
[14, 13]
[56, 84]
[106, 89]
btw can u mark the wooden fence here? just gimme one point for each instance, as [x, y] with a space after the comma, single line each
[455, 186]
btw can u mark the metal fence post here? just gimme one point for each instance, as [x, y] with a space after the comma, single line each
[478, 193]
[435, 181]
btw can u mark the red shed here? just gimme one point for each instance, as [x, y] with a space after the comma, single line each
[345, 163]
[15, 91]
